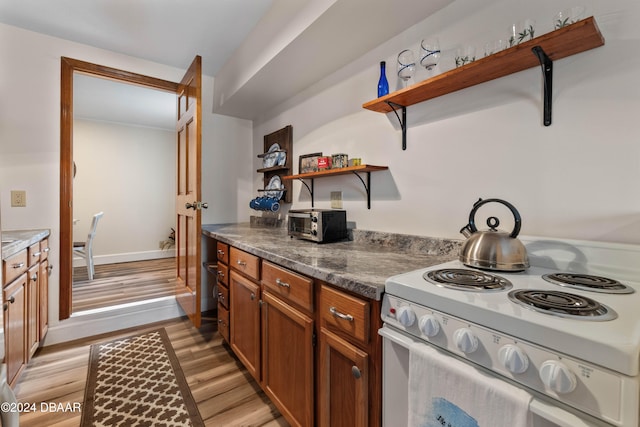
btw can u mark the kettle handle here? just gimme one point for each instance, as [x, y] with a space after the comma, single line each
[516, 215]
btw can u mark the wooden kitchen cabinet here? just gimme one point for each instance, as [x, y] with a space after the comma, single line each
[26, 299]
[222, 282]
[33, 312]
[244, 316]
[349, 366]
[344, 383]
[15, 320]
[288, 343]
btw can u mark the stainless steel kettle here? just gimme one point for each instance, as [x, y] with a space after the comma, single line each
[493, 249]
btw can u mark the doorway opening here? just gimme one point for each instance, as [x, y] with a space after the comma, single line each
[71, 209]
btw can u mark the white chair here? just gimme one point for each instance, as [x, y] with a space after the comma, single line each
[85, 249]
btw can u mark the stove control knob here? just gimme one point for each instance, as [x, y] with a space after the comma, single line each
[406, 316]
[557, 376]
[513, 358]
[465, 340]
[429, 325]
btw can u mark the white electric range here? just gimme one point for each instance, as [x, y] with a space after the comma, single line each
[579, 357]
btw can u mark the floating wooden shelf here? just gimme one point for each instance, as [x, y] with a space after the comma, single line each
[339, 171]
[570, 40]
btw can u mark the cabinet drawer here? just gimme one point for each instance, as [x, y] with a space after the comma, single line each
[223, 274]
[223, 296]
[288, 285]
[344, 313]
[44, 249]
[244, 262]
[34, 254]
[222, 252]
[14, 266]
[223, 322]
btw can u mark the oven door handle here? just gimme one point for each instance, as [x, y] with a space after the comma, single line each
[396, 337]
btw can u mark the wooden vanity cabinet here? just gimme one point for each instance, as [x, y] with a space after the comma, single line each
[15, 319]
[288, 343]
[349, 366]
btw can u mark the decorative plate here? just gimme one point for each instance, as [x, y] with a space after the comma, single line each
[271, 156]
[275, 184]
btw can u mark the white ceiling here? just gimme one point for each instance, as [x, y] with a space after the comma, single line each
[168, 32]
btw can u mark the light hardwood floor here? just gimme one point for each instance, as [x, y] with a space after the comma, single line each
[224, 391]
[123, 283]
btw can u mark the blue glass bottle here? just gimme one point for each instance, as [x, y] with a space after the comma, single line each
[383, 84]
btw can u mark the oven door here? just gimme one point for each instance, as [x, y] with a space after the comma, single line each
[301, 225]
[395, 388]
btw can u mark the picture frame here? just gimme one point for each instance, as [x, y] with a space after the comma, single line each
[308, 163]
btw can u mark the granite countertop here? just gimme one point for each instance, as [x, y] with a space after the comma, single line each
[13, 241]
[360, 265]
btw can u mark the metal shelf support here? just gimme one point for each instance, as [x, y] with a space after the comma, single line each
[367, 186]
[547, 74]
[403, 121]
[310, 189]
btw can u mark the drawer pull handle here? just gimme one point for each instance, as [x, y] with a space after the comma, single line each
[18, 265]
[240, 262]
[220, 273]
[253, 296]
[356, 372]
[343, 316]
[49, 270]
[220, 252]
[283, 284]
[45, 250]
[12, 299]
[36, 254]
[34, 278]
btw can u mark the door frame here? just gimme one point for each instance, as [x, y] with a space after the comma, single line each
[69, 67]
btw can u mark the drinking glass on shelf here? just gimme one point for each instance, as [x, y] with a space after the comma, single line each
[406, 66]
[429, 53]
[465, 55]
[521, 31]
[494, 46]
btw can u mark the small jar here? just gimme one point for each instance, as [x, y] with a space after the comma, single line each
[340, 160]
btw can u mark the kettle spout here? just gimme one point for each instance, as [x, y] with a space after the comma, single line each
[466, 231]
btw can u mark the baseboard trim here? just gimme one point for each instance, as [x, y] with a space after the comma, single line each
[96, 322]
[126, 257]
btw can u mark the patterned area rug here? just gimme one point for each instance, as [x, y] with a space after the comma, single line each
[137, 381]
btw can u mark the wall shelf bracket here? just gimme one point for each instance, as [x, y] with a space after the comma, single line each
[403, 121]
[310, 189]
[547, 75]
[367, 186]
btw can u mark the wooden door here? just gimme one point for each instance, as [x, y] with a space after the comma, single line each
[244, 310]
[33, 326]
[188, 202]
[343, 378]
[287, 359]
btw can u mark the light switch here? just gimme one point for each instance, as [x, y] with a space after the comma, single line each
[18, 199]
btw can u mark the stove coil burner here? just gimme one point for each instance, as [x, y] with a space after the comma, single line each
[562, 304]
[467, 280]
[588, 282]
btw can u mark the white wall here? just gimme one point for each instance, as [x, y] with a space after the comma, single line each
[129, 173]
[30, 142]
[578, 178]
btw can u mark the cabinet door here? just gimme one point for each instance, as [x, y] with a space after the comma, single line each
[287, 359]
[343, 378]
[32, 310]
[15, 311]
[244, 316]
[43, 299]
